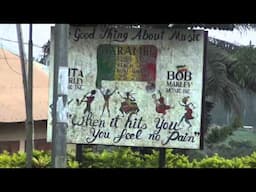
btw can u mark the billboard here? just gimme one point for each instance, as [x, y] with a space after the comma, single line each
[135, 87]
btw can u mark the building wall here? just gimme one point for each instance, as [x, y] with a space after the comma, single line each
[15, 132]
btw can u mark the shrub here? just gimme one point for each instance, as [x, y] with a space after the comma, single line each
[41, 159]
[213, 162]
[120, 158]
[177, 160]
[124, 157]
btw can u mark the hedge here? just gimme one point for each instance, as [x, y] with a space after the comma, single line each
[127, 158]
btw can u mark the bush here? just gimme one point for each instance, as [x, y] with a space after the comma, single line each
[214, 162]
[120, 158]
[40, 159]
[237, 123]
[71, 162]
[15, 160]
[249, 161]
[124, 157]
[177, 160]
[220, 134]
[232, 149]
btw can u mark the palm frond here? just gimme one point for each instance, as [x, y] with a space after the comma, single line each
[218, 84]
[244, 69]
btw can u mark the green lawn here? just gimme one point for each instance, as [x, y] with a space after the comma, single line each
[242, 135]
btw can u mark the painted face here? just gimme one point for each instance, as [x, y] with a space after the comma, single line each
[93, 92]
[185, 100]
[107, 91]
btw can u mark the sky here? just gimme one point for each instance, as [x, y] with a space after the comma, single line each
[41, 34]
[236, 36]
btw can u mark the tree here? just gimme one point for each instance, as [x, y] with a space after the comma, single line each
[243, 71]
[218, 84]
[46, 52]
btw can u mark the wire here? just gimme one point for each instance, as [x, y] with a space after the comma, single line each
[8, 63]
[5, 58]
[9, 40]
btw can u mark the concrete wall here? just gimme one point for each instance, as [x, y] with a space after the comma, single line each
[249, 112]
[221, 116]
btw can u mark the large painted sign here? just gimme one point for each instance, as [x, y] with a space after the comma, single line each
[135, 87]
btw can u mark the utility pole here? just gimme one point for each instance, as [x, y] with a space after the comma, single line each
[25, 86]
[59, 127]
[30, 122]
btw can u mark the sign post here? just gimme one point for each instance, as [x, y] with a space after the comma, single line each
[59, 106]
[79, 152]
[30, 122]
[162, 160]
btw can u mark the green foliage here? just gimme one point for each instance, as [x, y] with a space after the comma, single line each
[243, 71]
[41, 159]
[177, 160]
[208, 106]
[240, 143]
[239, 148]
[191, 153]
[124, 157]
[249, 161]
[151, 160]
[120, 158]
[231, 150]
[18, 160]
[213, 162]
[12, 161]
[237, 123]
[219, 85]
[220, 134]
[71, 162]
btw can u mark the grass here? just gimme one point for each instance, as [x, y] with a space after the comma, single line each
[242, 135]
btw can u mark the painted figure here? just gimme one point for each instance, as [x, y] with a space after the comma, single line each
[161, 107]
[128, 106]
[106, 97]
[188, 114]
[88, 98]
